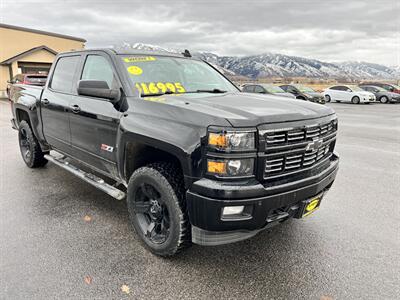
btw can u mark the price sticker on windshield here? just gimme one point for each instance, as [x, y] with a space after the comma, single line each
[148, 88]
[134, 59]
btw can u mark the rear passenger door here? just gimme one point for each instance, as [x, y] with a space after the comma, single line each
[94, 121]
[334, 93]
[56, 101]
[346, 94]
[340, 93]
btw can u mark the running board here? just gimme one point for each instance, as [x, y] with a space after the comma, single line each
[88, 177]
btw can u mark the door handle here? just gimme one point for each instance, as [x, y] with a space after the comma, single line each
[45, 102]
[75, 109]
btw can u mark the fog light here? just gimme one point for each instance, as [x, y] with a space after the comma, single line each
[232, 210]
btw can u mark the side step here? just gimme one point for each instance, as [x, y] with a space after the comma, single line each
[88, 177]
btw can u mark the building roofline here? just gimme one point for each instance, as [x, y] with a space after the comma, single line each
[27, 52]
[63, 36]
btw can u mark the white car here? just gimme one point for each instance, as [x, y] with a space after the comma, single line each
[348, 93]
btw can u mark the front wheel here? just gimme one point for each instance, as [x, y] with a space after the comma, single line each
[29, 146]
[157, 210]
[355, 100]
[384, 99]
[327, 98]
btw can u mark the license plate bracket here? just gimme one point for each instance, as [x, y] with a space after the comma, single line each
[311, 205]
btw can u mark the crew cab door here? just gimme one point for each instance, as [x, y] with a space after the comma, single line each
[55, 103]
[94, 121]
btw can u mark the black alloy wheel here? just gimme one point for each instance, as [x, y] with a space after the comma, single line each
[31, 151]
[152, 213]
[157, 208]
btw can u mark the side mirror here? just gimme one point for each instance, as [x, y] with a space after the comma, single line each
[98, 89]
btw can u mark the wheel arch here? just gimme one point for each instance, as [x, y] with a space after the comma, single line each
[136, 151]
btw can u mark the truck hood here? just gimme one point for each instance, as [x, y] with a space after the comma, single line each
[244, 109]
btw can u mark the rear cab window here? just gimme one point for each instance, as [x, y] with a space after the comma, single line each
[63, 74]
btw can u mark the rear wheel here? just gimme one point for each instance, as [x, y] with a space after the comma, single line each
[157, 208]
[29, 146]
[384, 99]
[327, 98]
[355, 100]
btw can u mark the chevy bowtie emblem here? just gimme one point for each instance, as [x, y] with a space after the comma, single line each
[107, 148]
[315, 145]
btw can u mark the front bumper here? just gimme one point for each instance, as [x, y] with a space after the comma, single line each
[269, 205]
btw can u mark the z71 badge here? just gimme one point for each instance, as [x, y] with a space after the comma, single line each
[107, 148]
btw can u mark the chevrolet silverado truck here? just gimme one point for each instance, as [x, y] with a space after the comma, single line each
[197, 160]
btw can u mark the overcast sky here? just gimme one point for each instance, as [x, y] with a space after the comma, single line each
[322, 29]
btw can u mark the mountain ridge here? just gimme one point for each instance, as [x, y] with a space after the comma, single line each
[280, 65]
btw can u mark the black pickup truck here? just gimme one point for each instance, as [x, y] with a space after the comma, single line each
[196, 159]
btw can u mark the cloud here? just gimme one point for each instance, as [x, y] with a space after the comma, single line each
[334, 30]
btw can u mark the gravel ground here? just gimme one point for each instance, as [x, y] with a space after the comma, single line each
[60, 238]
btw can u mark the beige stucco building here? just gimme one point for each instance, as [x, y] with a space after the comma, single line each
[24, 50]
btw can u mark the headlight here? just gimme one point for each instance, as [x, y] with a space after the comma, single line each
[232, 140]
[230, 167]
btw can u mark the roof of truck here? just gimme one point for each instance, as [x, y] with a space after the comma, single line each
[129, 52]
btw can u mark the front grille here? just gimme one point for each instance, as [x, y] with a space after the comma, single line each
[288, 136]
[293, 150]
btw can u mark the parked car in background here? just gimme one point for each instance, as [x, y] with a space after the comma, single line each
[264, 88]
[348, 93]
[30, 79]
[387, 86]
[303, 92]
[381, 94]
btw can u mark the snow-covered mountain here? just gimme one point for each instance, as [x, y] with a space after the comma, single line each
[279, 65]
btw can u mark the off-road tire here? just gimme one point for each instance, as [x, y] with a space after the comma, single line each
[355, 100]
[168, 181]
[34, 157]
[384, 99]
[327, 98]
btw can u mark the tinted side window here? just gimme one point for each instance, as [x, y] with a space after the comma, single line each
[284, 87]
[63, 74]
[291, 89]
[98, 68]
[258, 89]
[248, 88]
[335, 88]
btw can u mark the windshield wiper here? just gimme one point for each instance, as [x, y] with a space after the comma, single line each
[157, 94]
[214, 91]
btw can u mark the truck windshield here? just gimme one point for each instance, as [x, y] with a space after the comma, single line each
[153, 75]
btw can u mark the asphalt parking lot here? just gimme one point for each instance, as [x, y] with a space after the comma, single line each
[60, 238]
